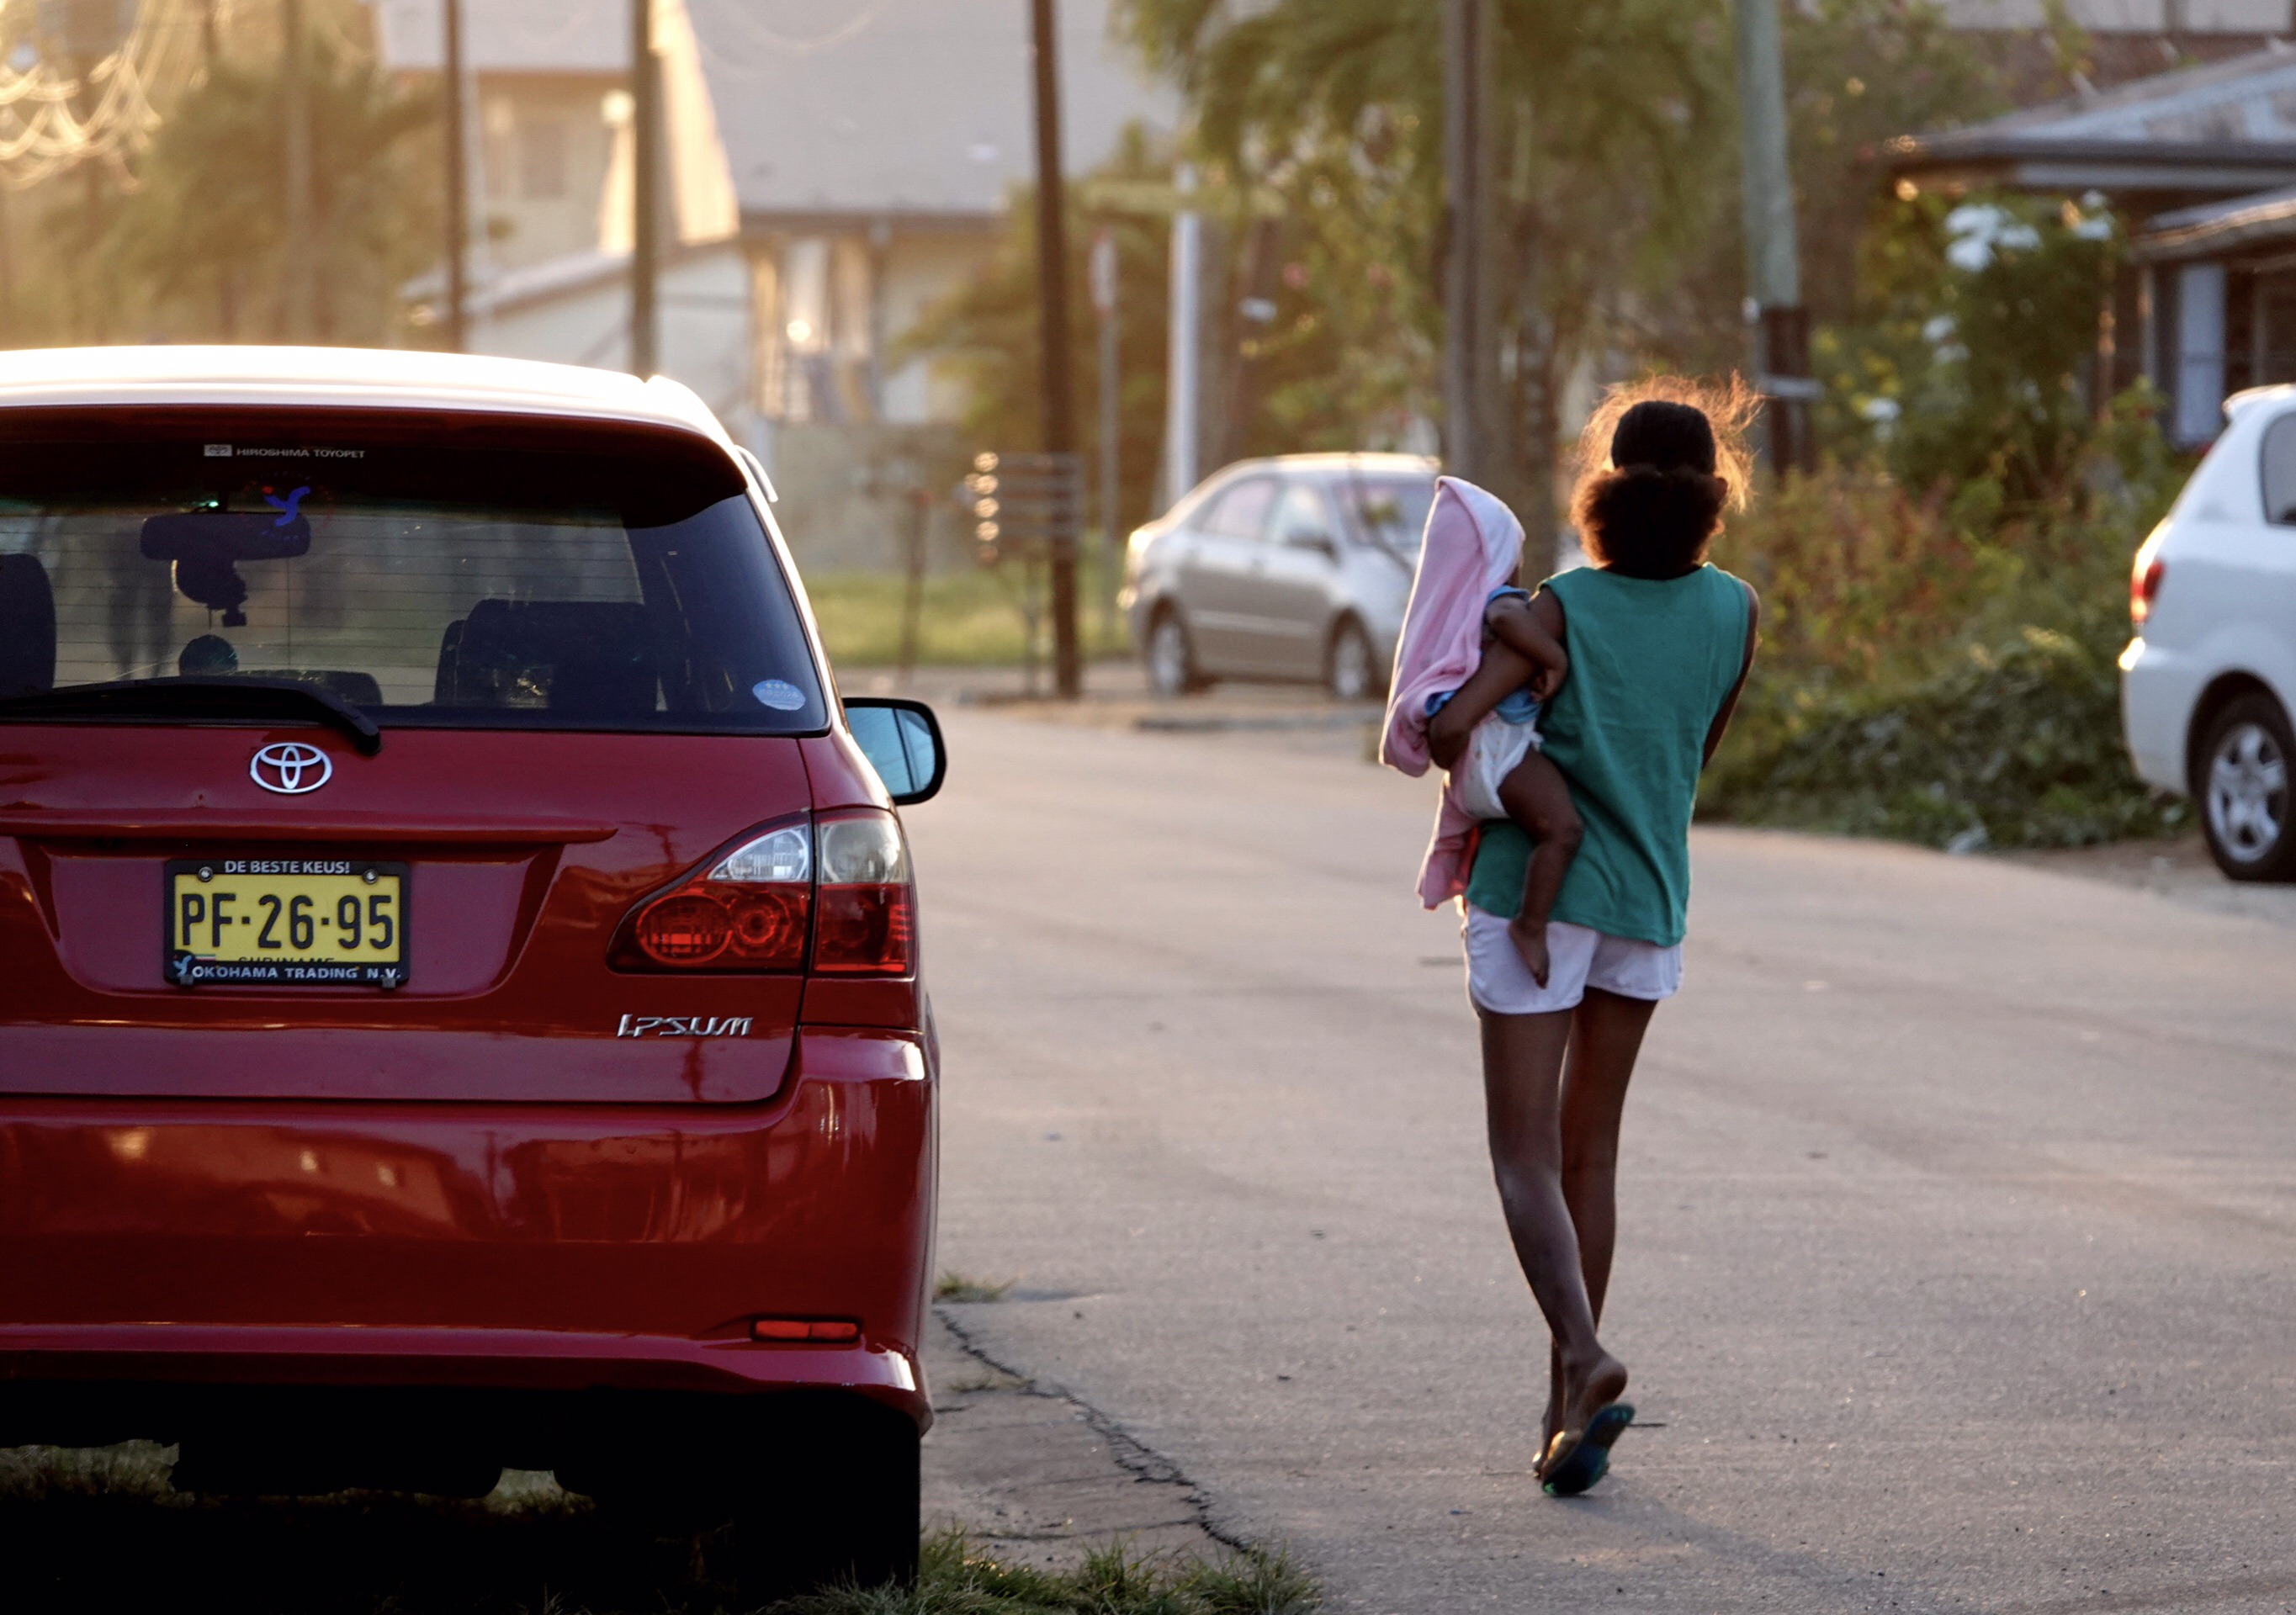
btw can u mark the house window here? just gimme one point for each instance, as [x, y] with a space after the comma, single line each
[542, 158]
[2199, 352]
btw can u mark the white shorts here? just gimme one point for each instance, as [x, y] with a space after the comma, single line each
[1496, 748]
[1501, 984]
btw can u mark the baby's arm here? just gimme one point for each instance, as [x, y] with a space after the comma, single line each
[1518, 624]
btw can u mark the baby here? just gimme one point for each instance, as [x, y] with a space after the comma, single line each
[1496, 767]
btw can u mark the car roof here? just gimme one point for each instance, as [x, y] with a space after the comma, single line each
[1386, 464]
[342, 378]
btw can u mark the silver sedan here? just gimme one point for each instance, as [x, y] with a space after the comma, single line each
[1293, 568]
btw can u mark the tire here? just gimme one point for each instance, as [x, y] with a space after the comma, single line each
[2241, 783]
[843, 1506]
[1171, 656]
[1351, 670]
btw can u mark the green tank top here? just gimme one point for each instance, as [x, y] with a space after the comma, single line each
[1651, 663]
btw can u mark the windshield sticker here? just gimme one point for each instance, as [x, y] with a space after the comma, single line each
[287, 507]
[778, 693]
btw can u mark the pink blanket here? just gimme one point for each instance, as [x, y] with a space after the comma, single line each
[1473, 545]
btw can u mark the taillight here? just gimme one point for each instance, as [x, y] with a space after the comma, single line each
[867, 921]
[845, 878]
[747, 914]
[2144, 579]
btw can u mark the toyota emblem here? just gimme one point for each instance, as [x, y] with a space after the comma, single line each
[290, 768]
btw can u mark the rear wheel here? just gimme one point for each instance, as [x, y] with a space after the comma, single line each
[1351, 671]
[1172, 669]
[838, 1504]
[2242, 785]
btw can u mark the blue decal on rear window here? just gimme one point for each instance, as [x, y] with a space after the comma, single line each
[778, 693]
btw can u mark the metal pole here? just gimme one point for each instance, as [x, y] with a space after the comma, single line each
[645, 186]
[1473, 446]
[1181, 367]
[1773, 262]
[1058, 386]
[458, 188]
[297, 310]
[1111, 430]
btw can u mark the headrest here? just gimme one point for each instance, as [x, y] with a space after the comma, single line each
[28, 627]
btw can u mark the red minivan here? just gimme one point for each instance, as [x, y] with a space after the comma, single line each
[459, 1002]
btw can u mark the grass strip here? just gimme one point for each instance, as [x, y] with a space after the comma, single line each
[957, 1579]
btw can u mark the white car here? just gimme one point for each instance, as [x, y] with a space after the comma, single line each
[2209, 682]
[1297, 567]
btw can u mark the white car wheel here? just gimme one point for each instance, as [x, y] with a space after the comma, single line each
[2244, 791]
[1171, 657]
[1352, 672]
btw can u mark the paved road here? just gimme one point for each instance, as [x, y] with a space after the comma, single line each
[1959, 1201]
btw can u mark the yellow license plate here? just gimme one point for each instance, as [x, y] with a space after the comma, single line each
[286, 923]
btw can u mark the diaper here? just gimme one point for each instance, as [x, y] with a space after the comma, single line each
[1496, 748]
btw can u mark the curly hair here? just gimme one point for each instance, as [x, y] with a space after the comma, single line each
[1657, 463]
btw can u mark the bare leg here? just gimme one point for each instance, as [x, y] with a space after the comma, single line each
[1606, 1037]
[1537, 798]
[1523, 1089]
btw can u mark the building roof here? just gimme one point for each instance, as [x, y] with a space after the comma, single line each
[905, 109]
[339, 378]
[2221, 228]
[2227, 128]
[2122, 16]
[509, 36]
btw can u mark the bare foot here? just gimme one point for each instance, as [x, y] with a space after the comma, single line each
[1531, 942]
[1586, 1393]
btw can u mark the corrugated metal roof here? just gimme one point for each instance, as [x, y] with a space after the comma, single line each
[509, 36]
[840, 107]
[906, 107]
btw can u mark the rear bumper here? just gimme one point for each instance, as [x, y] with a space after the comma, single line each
[485, 1247]
[2159, 690]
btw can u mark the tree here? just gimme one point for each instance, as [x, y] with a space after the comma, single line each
[200, 246]
[1619, 180]
[1611, 109]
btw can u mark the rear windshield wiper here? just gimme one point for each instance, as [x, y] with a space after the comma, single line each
[194, 700]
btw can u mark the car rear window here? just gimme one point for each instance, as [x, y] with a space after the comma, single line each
[2280, 469]
[432, 570]
[1389, 510]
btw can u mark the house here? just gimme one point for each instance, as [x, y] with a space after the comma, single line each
[834, 166]
[2202, 162]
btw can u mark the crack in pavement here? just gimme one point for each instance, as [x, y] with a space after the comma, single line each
[1131, 1454]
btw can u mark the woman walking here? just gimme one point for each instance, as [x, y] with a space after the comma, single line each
[1660, 643]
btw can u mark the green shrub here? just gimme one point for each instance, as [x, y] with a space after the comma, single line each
[1942, 669]
[2014, 746]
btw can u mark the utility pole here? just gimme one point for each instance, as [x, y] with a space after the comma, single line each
[458, 188]
[1474, 441]
[1112, 426]
[298, 299]
[645, 189]
[1185, 359]
[1773, 305]
[1058, 386]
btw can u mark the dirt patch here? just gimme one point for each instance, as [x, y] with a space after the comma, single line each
[2179, 870]
[1034, 1477]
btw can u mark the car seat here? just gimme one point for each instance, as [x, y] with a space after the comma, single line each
[28, 627]
[580, 657]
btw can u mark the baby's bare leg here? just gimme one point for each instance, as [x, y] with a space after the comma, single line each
[1537, 797]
